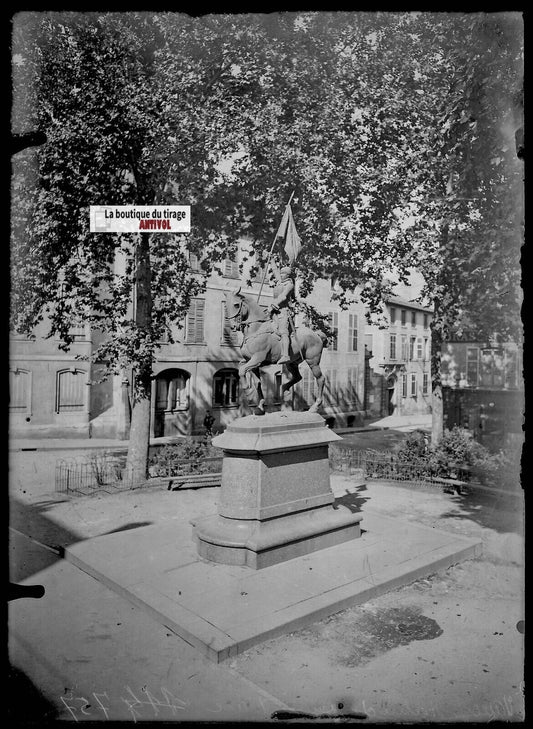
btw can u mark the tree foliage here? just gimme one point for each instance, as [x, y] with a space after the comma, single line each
[395, 130]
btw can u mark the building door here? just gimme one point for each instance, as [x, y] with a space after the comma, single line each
[391, 384]
[172, 403]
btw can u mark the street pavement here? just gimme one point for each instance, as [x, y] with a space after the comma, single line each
[448, 647]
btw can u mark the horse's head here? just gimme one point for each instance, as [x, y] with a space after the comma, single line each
[235, 304]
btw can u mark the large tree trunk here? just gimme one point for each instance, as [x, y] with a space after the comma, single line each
[437, 405]
[139, 443]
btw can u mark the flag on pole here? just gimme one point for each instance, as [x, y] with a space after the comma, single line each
[287, 231]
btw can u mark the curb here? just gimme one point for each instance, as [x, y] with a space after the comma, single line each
[86, 444]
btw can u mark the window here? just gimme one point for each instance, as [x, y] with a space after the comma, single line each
[472, 366]
[413, 318]
[404, 385]
[426, 348]
[306, 387]
[426, 321]
[172, 390]
[230, 337]
[392, 315]
[351, 385]
[20, 391]
[77, 332]
[403, 314]
[71, 392]
[352, 333]
[511, 368]
[194, 327]
[491, 371]
[486, 368]
[334, 326]
[231, 268]
[331, 378]
[226, 388]
[497, 367]
[412, 347]
[425, 383]
[194, 262]
[419, 348]
[413, 384]
[405, 348]
[393, 346]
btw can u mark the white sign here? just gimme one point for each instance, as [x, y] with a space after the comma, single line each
[140, 218]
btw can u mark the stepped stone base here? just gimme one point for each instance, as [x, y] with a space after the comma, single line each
[276, 501]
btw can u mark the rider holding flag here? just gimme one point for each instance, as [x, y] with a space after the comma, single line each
[284, 296]
[284, 292]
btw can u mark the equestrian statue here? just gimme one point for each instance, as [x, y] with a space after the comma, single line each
[270, 336]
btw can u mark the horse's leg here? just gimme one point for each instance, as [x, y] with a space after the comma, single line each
[248, 372]
[320, 382]
[260, 395]
[251, 364]
[286, 393]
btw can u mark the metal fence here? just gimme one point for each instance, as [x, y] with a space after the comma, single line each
[88, 474]
[107, 473]
[386, 466]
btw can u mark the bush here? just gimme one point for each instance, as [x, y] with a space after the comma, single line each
[457, 451]
[414, 449]
[187, 456]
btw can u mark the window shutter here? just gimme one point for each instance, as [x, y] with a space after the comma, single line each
[392, 346]
[352, 332]
[231, 268]
[229, 337]
[19, 391]
[71, 391]
[195, 322]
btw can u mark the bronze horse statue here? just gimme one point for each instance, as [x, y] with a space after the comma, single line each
[262, 347]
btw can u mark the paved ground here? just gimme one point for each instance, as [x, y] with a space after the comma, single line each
[446, 648]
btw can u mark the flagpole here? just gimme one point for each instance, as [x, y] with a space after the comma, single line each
[270, 253]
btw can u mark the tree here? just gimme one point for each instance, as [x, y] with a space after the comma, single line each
[379, 121]
[121, 129]
[403, 155]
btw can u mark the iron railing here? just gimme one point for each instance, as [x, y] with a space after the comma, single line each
[386, 466]
[107, 473]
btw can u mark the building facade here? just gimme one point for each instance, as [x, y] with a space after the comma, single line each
[54, 394]
[483, 390]
[398, 356]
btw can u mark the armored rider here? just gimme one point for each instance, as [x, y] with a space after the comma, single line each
[280, 308]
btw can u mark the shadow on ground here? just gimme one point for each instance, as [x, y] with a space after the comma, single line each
[353, 500]
[128, 527]
[30, 528]
[27, 706]
[501, 512]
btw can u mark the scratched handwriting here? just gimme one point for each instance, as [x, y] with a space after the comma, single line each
[140, 704]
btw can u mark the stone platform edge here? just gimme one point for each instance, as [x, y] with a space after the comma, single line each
[218, 646]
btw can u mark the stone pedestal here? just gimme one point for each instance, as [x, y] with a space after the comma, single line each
[275, 500]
